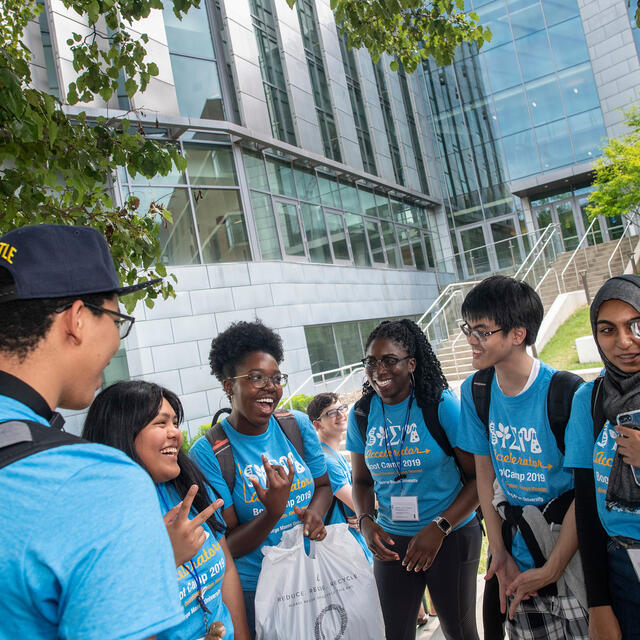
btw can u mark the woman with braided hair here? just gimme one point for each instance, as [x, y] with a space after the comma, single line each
[402, 435]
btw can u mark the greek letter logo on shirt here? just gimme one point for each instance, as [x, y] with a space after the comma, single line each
[376, 435]
[524, 439]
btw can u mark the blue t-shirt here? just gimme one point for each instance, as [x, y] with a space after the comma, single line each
[246, 453]
[85, 553]
[209, 566]
[583, 453]
[523, 449]
[432, 476]
[340, 476]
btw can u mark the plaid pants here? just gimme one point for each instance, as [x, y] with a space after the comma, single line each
[549, 618]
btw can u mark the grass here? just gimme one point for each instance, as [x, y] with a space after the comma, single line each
[560, 352]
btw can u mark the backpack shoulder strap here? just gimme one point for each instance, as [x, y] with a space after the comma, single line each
[361, 413]
[597, 410]
[560, 394]
[435, 428]
[481, 394]
[291, 429]
[22, 438]
[221, 447]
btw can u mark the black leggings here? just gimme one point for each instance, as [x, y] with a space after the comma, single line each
[451, 580]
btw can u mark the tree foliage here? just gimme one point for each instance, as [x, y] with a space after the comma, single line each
[57, 168]
[617, 178]
[408, 30]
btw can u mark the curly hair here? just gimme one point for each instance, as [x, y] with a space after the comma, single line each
[428, 377]
[320, 403]
[230, 347]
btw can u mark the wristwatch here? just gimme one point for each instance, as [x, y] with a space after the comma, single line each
[443, 524]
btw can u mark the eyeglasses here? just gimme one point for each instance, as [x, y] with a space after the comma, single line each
[123, 322]
[260, 382]
[333, 413]
[387, 362]
[478, 335]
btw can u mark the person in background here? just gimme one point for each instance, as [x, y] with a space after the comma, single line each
[274, 486]
[605, 457]
[329, 417]
[143, 420]
[85, 553]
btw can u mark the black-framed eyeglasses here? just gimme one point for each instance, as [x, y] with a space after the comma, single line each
[260, 382]
[333, 413]
[386, 362]
[122, 321]
[477, 334]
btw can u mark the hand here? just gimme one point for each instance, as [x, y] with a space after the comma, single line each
[603, 624]
[628, 445]
[313, 525]
[275, 496]
[526, 585]
[187, 536]
[377, 540]
[504, 566]
[352, 521]
[423, 548]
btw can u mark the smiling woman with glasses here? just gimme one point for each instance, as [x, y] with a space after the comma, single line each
[402, 437]
[273, 484]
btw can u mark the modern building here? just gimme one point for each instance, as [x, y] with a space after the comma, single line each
[324, 192]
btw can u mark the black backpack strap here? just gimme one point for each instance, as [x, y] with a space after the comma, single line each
[361, 413]
[597, 409]
[435, 428]
[562, 388]
[221, 446]
[22, 438]
[291, 429]
[481, 394]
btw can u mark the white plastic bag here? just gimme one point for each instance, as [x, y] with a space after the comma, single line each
[326, 595]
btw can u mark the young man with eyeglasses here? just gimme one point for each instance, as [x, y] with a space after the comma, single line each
[85, 552]
[507, 423]
[329, 416]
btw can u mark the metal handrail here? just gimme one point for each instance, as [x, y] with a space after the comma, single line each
[615, 249]
[551, 228]
[322, 374]
[541, 253]
[441, 310]
[344, 382]
[549, 271]
[575, 253]
[437, 301]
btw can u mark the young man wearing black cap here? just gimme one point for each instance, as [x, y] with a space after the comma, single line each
[85, 553]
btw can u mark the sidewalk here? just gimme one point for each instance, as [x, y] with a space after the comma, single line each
[432, 631]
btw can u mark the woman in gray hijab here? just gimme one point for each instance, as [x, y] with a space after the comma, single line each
[605, 457]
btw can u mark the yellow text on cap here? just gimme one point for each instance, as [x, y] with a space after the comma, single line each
[7, 252]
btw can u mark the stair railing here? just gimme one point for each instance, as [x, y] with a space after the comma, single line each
[617, 250]
[537, 250]
[572, 259]
[542, 256]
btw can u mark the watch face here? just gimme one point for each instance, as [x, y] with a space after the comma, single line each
[444, 524]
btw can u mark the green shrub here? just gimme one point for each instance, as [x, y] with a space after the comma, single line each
[300, 402]
[187, 441]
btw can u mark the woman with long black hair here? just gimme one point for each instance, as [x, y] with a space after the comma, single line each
[143, 420]
[425, 533]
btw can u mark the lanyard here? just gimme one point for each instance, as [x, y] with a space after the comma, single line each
[397, 465]
[193, 572]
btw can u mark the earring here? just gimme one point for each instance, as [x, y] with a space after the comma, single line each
[413, 379]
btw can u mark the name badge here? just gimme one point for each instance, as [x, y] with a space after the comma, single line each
[404, 508]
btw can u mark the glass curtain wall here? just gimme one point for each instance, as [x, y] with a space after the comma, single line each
[357, 106]
[47, 47]
[275, 87]
[319, 84]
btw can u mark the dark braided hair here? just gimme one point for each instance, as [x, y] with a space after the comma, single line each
[428, 376]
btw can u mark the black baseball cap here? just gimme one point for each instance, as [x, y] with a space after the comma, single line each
[59, 261]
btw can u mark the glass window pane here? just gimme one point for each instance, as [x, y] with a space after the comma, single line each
[559, 10]
[568, 227]
[502, 67]
[405, 246]
[418, 251]
[475, 251]
[535, 56]
[587, 133]
[568, 43]
[316, 232]
[329, 192]
[494, 16]
[383, 206]
[338, 236]
[554, 144]
[322, 348]
[358, 240]
[117, 369]
[210, 166]
[349, 197]
[178, 239]
[256, 173]
[390, 244]
[280, 178]
[191, 35]
[265, 226]
[348, 342]
[223, 234]
[506, 246]
[511, 111]
[366, 327]
[290, 229]
[197, 88]
[307, 185]
[578, 89]
[173, 177]
[526, 17]
[375, 241]
[520, 153]
[544, 100]
[543, 216]
[429, 247]
[368, 201]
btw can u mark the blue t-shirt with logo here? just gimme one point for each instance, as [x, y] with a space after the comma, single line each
[209, 566]
[85, 553]
[340, 476]
[523, 449]
[247, 451]
[583, 453]
[432, 476]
